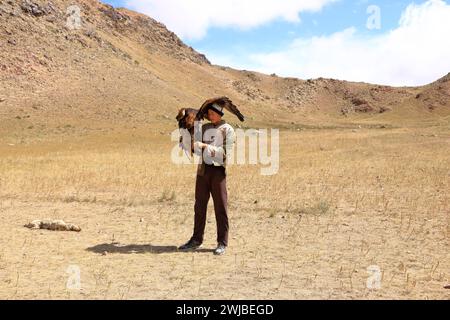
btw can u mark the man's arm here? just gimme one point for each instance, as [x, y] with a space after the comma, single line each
[220, 147]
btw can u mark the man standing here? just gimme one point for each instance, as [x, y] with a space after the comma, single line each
[215, 143]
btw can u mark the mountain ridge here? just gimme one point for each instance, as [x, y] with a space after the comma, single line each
[123, 68]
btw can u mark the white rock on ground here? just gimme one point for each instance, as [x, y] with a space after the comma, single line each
[53, 225]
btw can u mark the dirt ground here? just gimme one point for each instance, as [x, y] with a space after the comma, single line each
[345, 202]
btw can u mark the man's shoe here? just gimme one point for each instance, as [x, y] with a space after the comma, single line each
[220, 250]
[190, 245]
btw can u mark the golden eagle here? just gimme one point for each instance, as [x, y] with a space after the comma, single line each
[188, 116]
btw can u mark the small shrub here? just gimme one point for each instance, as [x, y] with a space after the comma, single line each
[167, 196]
[320, 208]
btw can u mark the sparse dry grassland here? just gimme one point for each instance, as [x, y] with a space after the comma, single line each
[343, 200]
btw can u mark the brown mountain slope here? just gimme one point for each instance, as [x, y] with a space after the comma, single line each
[124, 69]
[435, 95]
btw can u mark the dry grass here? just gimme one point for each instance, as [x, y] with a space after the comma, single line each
[341, 202]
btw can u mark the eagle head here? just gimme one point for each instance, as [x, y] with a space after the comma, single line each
[186, 118]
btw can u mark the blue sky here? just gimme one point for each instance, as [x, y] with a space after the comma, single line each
[313, 38]
[336, 16]
[332, 18]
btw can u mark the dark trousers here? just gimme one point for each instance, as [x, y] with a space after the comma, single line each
[212, 182]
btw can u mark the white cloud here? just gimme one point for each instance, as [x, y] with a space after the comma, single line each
[192, 19]
[417, 52]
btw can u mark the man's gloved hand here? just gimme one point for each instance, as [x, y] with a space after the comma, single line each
[199, 145]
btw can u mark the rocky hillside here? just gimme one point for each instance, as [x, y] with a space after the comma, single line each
[115, 67]
[435, 96]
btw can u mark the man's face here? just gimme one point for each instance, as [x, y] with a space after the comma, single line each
[214, 116]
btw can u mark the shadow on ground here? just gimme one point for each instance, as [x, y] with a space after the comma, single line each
[136, 248]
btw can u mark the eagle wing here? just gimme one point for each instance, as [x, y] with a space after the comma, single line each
[223, 102]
